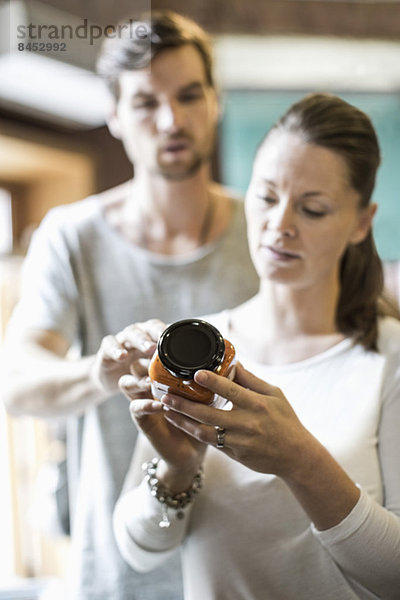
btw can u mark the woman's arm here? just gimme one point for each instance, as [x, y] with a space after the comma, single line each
[264, 433]
[367, 543]
[140, 539]
[137, 516]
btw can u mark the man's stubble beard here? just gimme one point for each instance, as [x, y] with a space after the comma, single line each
[182, 171]
[185, 173]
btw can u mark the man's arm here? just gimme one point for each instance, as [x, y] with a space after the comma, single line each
[40, 380]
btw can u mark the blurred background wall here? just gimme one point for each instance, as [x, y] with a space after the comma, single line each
[55, 148]
[268, 53]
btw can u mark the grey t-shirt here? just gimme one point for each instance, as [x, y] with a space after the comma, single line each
[84, 280]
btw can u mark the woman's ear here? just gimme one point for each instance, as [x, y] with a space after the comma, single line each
[364, 224]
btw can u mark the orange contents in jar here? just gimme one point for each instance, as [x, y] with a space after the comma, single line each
[183, 348]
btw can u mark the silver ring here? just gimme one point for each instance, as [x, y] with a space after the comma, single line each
[220, 437]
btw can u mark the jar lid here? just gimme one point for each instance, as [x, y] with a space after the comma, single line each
[189, 345]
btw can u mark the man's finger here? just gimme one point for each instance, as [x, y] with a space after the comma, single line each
[140, 367]
[154, 327]
[134, 338]
[111, 349]
[131, 384]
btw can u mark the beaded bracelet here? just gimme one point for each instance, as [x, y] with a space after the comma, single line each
[164, 496]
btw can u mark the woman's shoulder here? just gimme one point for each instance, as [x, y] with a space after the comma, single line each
[389, 347]
[389, 336]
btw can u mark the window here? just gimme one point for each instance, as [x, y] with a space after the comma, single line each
[6, 230]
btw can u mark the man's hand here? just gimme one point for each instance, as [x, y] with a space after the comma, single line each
[127, 353]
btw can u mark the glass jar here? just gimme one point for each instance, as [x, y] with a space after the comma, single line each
[183, 348]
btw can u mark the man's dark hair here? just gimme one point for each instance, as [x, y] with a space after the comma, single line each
[142, 39]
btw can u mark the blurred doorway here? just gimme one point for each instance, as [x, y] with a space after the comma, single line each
[37, 172]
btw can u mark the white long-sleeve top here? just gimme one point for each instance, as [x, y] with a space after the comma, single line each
[245, 537]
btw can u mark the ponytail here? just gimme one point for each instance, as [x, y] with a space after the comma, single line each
[361, 284]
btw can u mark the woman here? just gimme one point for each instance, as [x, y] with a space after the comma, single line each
[301, 492]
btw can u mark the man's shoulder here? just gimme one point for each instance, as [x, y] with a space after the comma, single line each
[225, 193]
[84, 211]
[116, 194]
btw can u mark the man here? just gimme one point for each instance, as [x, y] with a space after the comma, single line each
[168, 244]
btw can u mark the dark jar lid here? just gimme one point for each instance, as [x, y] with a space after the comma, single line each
[189, 345]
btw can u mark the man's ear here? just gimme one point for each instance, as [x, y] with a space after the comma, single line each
[113, 123]
[364, 224]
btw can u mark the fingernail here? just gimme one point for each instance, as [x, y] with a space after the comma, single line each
[201, 376]
[123, 381]
[148, 345]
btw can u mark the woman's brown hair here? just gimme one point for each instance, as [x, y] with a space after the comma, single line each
[329, 121]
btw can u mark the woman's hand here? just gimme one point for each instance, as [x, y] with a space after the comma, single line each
[262, 430]
[182, 454]
[127, 353]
